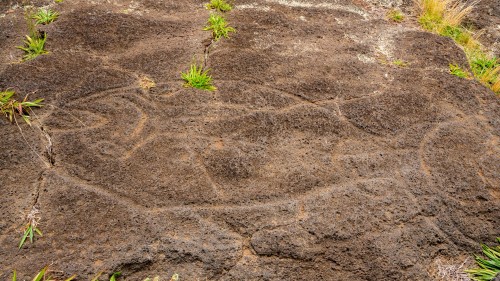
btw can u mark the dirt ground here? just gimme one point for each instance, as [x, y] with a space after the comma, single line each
[316, 158]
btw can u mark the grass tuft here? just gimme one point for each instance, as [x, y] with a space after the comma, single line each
[400, 63]
[482, 65]
[489, 268]
[220, 5]
[11, 107]
[197, 78]
[33, 46]
[44, 16]
[458, 71]
[460, 35]
[395, 15]
[219, 27]
[486, 68]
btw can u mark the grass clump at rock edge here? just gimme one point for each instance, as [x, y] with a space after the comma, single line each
[45, 16]
[487, 69]
[220, 5]
[11, 107]
[43, 276]
[219, 27]
[489, 267]
[439, 14]
[197, 78]
[444, 17]
[458, 71]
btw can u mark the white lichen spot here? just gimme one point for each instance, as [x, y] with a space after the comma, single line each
[366, 59]
[254, 6]
[329, 6]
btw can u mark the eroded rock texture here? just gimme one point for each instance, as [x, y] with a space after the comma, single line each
[316, 158]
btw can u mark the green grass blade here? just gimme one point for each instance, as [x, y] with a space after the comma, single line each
[26, 119]
[488, 268]
[114, 276]
[23, 239]
[31, 227]
[40, 274]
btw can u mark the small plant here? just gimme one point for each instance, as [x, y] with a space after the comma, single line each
[11, 107]
[400, 63]
[44, 16]
[35, 43]
[488, 268]
[114, 276]
[461, 35]
[395, 15]
[42, 276]
[220, 5]
[31, 227]
[458, 71]
[481, 64]
[33, 46]
[219, 27]
[197, 78]
[486, 69]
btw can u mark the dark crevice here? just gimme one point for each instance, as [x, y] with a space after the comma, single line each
[36, 192]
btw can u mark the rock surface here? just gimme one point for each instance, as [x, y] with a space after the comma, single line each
[316, 158]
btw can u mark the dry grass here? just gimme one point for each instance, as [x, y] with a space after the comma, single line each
[445, 17]
[491, 76]
[439, 14]
[146, 83]
[456, 12]
[496, 87]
